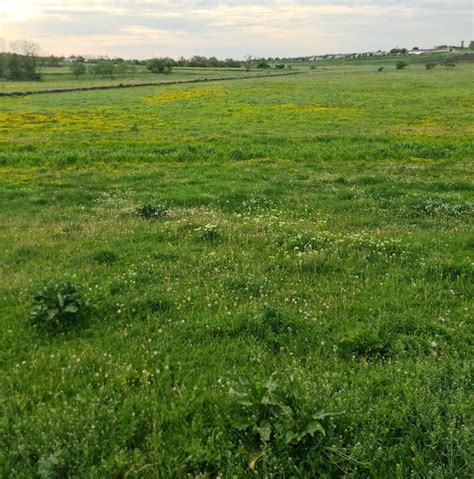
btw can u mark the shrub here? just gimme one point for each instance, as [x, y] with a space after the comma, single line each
[380, 69]
[430, 66]
[401, 65]
[263, 64]
[449, 64]
[160, 65]
[58, 306]
[280, 66]
[152, 212]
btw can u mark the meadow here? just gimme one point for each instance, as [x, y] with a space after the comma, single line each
[62, 77]
[275, 278]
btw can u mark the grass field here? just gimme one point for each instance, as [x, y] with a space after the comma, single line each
[61, 77]
[301, 310]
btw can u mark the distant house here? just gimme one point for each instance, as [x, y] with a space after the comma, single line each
[429, 51]
[71, 59]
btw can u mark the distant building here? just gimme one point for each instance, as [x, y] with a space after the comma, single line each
[428, 51]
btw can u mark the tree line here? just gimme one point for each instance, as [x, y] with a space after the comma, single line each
[23, 61]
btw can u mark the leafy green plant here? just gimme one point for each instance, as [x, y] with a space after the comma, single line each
[58, 306]
[272, 412]
[151, 211]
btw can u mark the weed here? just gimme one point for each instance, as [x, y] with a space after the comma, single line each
[275, 412]
[239, 154]
[58, 306]
[165, 255]
[105, 257]
[152, 211]
[157, 306]
[367, 343]
[434, 207]
[208, 233]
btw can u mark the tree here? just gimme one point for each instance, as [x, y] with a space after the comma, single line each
[160, 65]
[78, 69]
[52, 61]
[23, 63]
[281, 66]
[398, 51]
[104, 68]
[248, 62]
[231, 63]
[122, 68]
[14, 70]
[3, 59]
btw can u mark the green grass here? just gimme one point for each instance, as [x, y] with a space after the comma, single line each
[313, 254]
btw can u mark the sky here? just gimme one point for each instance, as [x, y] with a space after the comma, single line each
[233, 28]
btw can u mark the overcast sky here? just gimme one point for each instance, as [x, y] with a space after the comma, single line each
[233, 28]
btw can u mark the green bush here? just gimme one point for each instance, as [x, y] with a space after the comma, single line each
[430, 66]
[58, 306]
[401, 65]
[160, 65]
[263, 65]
